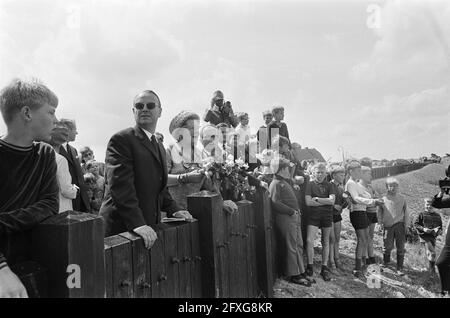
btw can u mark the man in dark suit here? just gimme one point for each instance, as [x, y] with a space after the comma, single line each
[136, 175]
[81, 202]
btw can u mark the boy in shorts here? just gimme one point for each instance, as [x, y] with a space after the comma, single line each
[320, 197]
[337, 181]
[428, 225]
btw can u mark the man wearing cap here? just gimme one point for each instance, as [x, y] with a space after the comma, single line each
[262, 134]
[220, 112]
[136, 175]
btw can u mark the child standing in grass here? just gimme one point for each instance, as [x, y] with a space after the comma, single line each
[428, 224]
[394, 218]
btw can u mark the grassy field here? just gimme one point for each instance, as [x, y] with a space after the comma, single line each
[417, 283]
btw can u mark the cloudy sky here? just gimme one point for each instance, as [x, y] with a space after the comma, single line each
[370, 76]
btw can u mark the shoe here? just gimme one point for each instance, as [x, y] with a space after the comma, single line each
[310, 279]
[359, 274]
[309, 271]
[400, 272]
[325, 273]
[300, 280]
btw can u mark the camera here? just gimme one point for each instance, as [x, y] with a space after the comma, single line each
[444, 184]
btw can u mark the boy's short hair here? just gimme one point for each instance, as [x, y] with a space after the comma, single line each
[19, 93]
[392, 180]
[336, 169]
[319, 166]
[241, 115]
[267, 112]
[276, 109]
[353, 165]
[365, 168]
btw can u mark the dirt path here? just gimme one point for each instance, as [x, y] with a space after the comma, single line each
[416, 283]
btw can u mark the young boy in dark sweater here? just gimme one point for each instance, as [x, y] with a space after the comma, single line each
[288, 221]
[28, 184]
[428, 225]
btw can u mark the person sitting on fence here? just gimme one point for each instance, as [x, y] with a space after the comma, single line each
[184, 158]
[337, 181]
[95, 185]
[262, 134]
[211, 141]
[394, 219]
[371, 211]
[277, 127]
[220, 111]
[29, 186]
[320, 198]
[428, 225]
[67, 190]
[243, 135]
[288, 222]
[360, 199]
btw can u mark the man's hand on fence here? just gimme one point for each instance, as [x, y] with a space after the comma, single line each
[148, 235]
[183, 214]
[10, 285]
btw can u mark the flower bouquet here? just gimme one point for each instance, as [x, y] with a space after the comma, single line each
[230, 178]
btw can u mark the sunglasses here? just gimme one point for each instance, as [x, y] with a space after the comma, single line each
[140, 106]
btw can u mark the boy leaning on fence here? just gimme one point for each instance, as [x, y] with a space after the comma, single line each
[394, 219]
[428, 225]
[29, 188]
[288, 221]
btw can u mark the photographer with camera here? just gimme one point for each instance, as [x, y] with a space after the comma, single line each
[220, 111]
[443, 262]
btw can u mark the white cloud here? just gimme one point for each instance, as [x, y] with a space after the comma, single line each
[412, 43]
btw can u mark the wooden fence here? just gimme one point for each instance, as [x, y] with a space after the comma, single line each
[382, 172]
[217, 255]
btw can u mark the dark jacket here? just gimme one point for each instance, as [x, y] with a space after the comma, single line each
[28, 195]
[136, 179]
[81, 202]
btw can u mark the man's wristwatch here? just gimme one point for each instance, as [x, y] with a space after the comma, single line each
[316, 199]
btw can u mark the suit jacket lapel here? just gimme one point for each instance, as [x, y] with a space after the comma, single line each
[147, 143]
[66, 154]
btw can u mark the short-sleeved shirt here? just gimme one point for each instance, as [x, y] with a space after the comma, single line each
[320, 190]
[338, 191]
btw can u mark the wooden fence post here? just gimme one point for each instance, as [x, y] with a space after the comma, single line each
[207, 208]
[70, 246]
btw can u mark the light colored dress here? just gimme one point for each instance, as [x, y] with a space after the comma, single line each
[178, 162]
[67, 191]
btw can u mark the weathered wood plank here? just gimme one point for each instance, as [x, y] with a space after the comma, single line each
[158, 275]
[186, 260]
[141, 266]
[77, 239]
[122, 266]
[196, 269]
[207, 209]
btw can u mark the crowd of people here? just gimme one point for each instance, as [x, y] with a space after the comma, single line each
[42, 174]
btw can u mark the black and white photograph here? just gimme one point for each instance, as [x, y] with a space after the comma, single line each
[229, 154]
